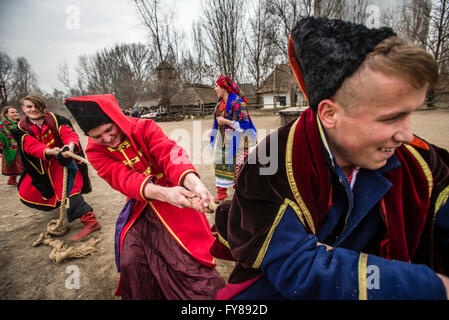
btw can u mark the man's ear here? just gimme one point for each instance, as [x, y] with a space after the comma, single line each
[327, 112]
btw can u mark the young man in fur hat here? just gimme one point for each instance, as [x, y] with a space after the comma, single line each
[162, 235]
[358, 208]
[41, 137]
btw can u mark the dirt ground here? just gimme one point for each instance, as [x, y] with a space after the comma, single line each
[27, 272]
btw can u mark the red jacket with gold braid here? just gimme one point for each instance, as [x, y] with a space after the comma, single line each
[146, 154]
[41, 184]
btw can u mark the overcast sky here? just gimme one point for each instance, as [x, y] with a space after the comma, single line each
[47, 34]
[52, 32]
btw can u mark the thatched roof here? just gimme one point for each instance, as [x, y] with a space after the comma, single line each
[194, 96]
[281, 79]
[148, 103]
[248, 89]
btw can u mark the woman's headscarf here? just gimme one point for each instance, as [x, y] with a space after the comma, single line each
[230, 86]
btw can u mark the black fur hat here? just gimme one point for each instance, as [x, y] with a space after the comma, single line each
[88, 114]
[329, 51]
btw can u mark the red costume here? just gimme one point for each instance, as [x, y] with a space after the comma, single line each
[11, 163]
[147, 156]
[41, 184]
[34, 142]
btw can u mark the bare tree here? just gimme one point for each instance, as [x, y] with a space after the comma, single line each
[122, 70]
[261, 53]
[141, 61]
[426, 23]
[393, 17]
[438, 41]
[194, 61]
[149, 11]
[24, 80]
[222, 21]
[65, 79]
[282, 16]
[189, 71]
[415, 21]
[195, 67]
[166, 40]
[160, 25]
[354, 11]
[329, 8]
[6, 70]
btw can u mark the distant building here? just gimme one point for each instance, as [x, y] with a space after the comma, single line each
[249, 90]
[441, 98]
[167, 82]
[280, 88]
[150, 104]
[194, 100]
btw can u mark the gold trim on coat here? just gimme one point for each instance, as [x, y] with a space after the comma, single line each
[363, 262]
[291, 179]
[277, 219]
[424, 166]
[441, 199]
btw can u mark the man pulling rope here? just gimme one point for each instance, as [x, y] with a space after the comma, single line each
[41, 136]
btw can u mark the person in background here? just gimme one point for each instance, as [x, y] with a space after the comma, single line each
[11, 163]
[233, 133]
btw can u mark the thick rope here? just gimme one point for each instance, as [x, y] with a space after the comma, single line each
[76, 157]
[62, 251]
[59, 227]
[212, 205]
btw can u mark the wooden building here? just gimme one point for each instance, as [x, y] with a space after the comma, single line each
[197, 100]
[280, 89]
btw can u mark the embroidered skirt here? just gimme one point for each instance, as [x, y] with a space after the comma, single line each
[14, 169]
[154, 267]
[224, 160]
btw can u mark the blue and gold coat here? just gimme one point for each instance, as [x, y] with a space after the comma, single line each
[304, 233]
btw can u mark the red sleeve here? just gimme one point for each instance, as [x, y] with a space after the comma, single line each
[169, 156]
[34, 147]
[68, 136]
[115, 173]
[173, 160]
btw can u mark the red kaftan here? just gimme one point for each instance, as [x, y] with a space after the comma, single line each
[149, 154]
[35, 146]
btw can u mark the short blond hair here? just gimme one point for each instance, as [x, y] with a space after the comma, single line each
[392, 57]
[395, 56]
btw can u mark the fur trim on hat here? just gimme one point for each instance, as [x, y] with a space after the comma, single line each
[329, 51]
[88, 114]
